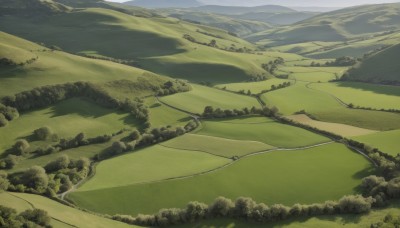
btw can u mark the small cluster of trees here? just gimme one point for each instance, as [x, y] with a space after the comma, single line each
[7, 114]
[209, 34]
[172, 87]
[213, 43]
[57, 176]
[28, 218]
[276, 87]
[258, 78]
[341, 61]
[351, 105]
[272, 66]
[10, 62]
[9, 162]
[249, 210]
[390, 220]
[210, 112]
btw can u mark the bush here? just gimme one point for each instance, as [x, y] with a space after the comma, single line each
[61, 162]
[355, 204]
[3, 120]
[43, 133]
[4, 183]
[21, 147]
[221, 207]
[37, 216]
[36, 178]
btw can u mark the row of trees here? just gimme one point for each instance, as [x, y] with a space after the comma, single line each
[153, 136]
[351, 105]
[249, 210]
[213, 43]
[172, 87]
[272, 66]
[10, 62]
[210, 112]
[28, 218]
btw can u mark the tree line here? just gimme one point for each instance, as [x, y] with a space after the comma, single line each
[29, 218]
[211, 112]
[7, 114]
[247, 209]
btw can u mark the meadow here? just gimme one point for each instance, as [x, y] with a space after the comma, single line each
[201, 96]
[217, 145]
[152, 164]
[326, 108]
[67, 119]
[312, 74]
[363, 94]
[387, 141]
[271, 133]
[253, 87]
[336, 171]
[339, 129]
[62, 215]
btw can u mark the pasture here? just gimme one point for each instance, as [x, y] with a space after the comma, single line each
[301, 176]
[215, 145]
[363, 94]
[271, 133]
[62, 215]
[253, 87]
[162, 115]
[155, 163]
[339, 129]
[197, 99]
[67, 119]
[387, 141]
[326, 108]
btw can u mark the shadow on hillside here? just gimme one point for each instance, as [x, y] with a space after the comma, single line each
[376, 88]
[199, 72]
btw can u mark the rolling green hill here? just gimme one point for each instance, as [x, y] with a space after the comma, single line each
[236, 10]
[340, 25]
[280, 18]
[383, 67]
[239, 27]
[156, 44]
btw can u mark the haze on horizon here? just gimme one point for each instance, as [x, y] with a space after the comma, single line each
[303, 3]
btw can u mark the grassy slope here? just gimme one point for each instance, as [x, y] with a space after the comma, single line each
[271, 133]
[337, 25]
[362, 94]
[156, 43]
[197, 99]
[382, 67]
[312, 74]
[340, 129]
[215, 145]
[387, 142]
[58, 67]
[151, 164]
[66, 216]
[67, 119]
[326, 108]
[162, 115]
[348, 221]
[336, 171]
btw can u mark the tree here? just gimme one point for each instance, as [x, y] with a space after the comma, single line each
[10, 161]
[36, 178]
[82, 163]
[4, 183]
[135, 135]
[37, 216]
[43, 133]
[118, 147]
[3, 120]
[355, 204]
[244, 207]
[213, 43]
[61, 162]
[393, 187]
[21, 147]
[221, 207]
[196, 211]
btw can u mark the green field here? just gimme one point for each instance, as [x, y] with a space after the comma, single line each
[271, 133]
[362, 94]
[155, 163]
[387, 141]
[162, 115]
[339, 129]
[62, 216]
[325, 108]
[217, 146]
[67, 119]
[254, 87]
[312, 74]
[196, 100]
[277, 177]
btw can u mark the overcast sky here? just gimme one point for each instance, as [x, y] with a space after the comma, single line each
[315, 3]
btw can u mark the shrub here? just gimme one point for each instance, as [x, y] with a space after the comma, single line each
[36, 178]
[43, 133]
[3, 120]
[21, 147]
[61, 162]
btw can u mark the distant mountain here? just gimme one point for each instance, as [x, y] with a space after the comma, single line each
[283, 18]
[236, 10]
[341, 25]
[382, 67]
[164, 3]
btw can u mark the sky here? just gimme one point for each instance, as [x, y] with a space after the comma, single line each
[314, 3]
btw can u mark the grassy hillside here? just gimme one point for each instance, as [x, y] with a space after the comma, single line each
[382, 67]
[56, 67]
[277, 18]
[385, 141]
[235, 10]
[340, 25]
[290, 172]
[156, 44]
[62, 216]
[237, 26]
